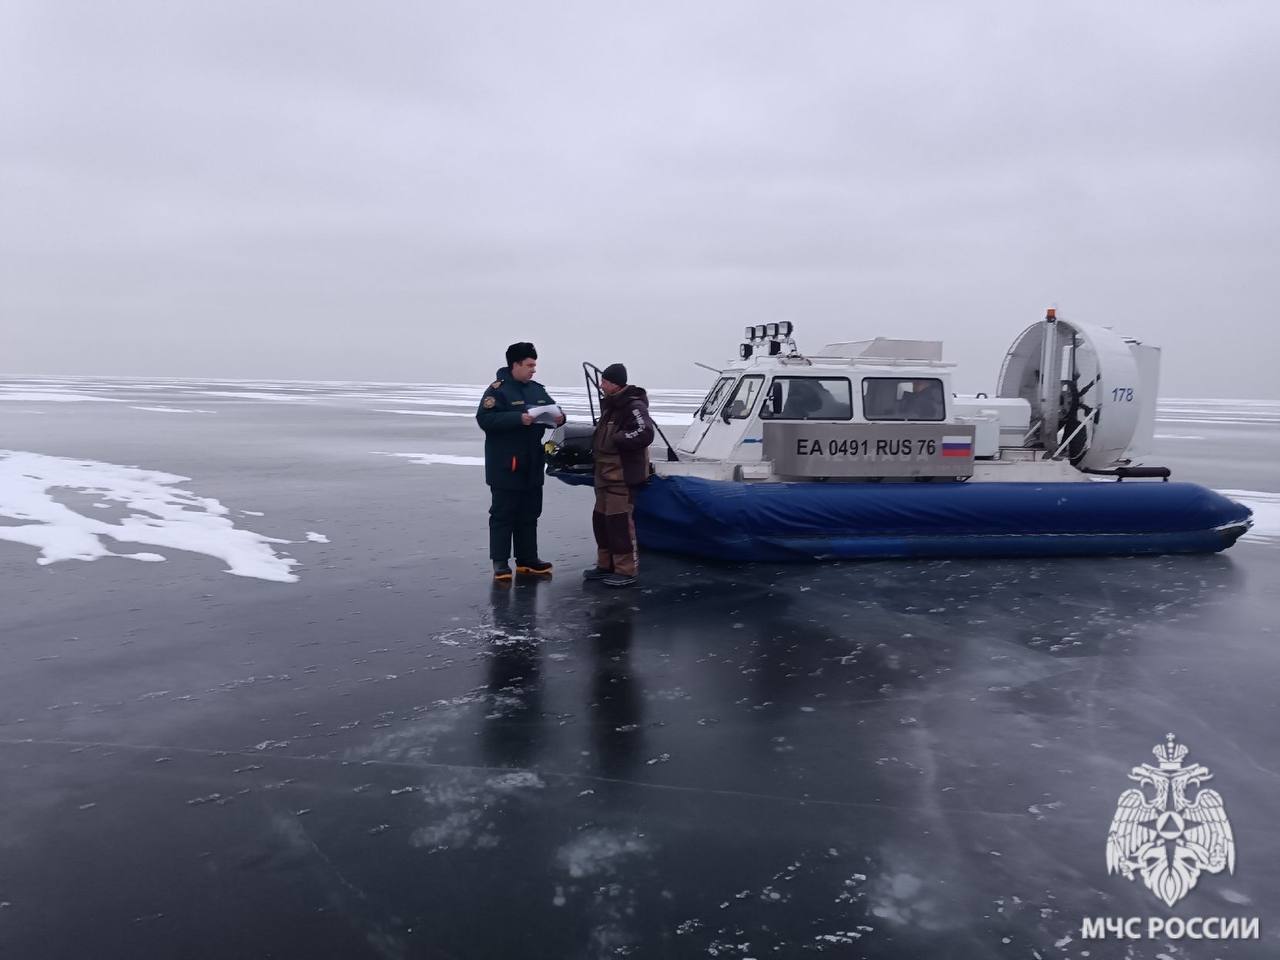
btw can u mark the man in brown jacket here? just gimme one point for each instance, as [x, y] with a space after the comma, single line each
[620, 447]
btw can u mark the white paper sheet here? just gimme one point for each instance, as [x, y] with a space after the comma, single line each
[547, 414]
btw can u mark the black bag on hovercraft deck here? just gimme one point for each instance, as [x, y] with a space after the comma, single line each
[569, 452]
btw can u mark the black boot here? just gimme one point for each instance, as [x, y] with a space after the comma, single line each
[539, 568]
[596, 573]
[501, 570]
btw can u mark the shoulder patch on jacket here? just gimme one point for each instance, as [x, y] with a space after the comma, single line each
[489, 403]
[496, 385]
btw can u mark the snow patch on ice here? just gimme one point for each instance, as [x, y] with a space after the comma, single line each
[171, 410]
[454, 831]
[461, 810]
[168, 516]
[428, 413]
[904, 899]
[1266, 513]
[426, 459]
[519, 780]
[436, 399]
[314, 537]
[598, 852]
[54, 396]
[259, 395]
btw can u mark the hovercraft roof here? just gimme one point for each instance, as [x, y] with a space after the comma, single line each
[885, 348]
[774, 345]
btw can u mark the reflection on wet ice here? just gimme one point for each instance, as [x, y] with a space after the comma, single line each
[514, 725]
[617, 700]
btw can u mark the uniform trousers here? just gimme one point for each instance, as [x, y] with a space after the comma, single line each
[513, 517]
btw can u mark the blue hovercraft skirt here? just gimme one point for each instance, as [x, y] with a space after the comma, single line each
[726, 520]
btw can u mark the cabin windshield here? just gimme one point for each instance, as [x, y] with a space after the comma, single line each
[808, 398]
[893, 398]
[711, 405]
[744, 397]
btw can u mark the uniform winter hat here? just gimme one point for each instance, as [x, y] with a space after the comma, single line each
[520, 351]
[615, 373]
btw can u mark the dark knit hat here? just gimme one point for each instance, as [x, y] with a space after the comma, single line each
[520, 351]
[615, 373]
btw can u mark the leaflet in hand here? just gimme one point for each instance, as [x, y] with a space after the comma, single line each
[548, 414]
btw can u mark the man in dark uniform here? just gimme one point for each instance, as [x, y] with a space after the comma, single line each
[514, 462]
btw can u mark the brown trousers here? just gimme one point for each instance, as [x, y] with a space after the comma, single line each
[613, 523]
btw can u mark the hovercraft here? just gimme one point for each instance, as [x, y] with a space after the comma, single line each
[862, 451]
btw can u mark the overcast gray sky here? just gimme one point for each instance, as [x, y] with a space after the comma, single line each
[396, 190]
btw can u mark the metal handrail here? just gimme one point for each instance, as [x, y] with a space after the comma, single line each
[1083, 423]
[1070, 437]
[593, 375]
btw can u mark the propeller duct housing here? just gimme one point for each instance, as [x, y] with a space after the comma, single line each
[1097, 399]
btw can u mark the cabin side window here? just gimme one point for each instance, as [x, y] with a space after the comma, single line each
[895, 398]
[808, 398]
[744, 397]
[711, 406]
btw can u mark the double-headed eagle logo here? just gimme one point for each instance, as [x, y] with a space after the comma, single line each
[1166, 838]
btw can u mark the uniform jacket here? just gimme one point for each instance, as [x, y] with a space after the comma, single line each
[621, 440]
[513, 454]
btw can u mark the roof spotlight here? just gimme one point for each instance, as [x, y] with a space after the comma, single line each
[760, 331]
[750, 333]
[771, 329]
[744, 351]
[775, 348]
[785, 328]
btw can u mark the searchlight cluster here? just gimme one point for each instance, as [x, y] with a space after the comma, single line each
[769, 337]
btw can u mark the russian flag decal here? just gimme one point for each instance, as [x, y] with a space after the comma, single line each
[957, 447]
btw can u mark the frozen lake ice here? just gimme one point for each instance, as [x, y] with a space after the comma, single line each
[316, 729]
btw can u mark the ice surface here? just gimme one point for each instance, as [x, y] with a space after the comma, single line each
[168, 517]
[171, 409]
[1217, 411]
[429, 413]
[427, 459]
[599, 851]
[844, 748]
[1266, 513]
[258, 395]
[54, 396]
